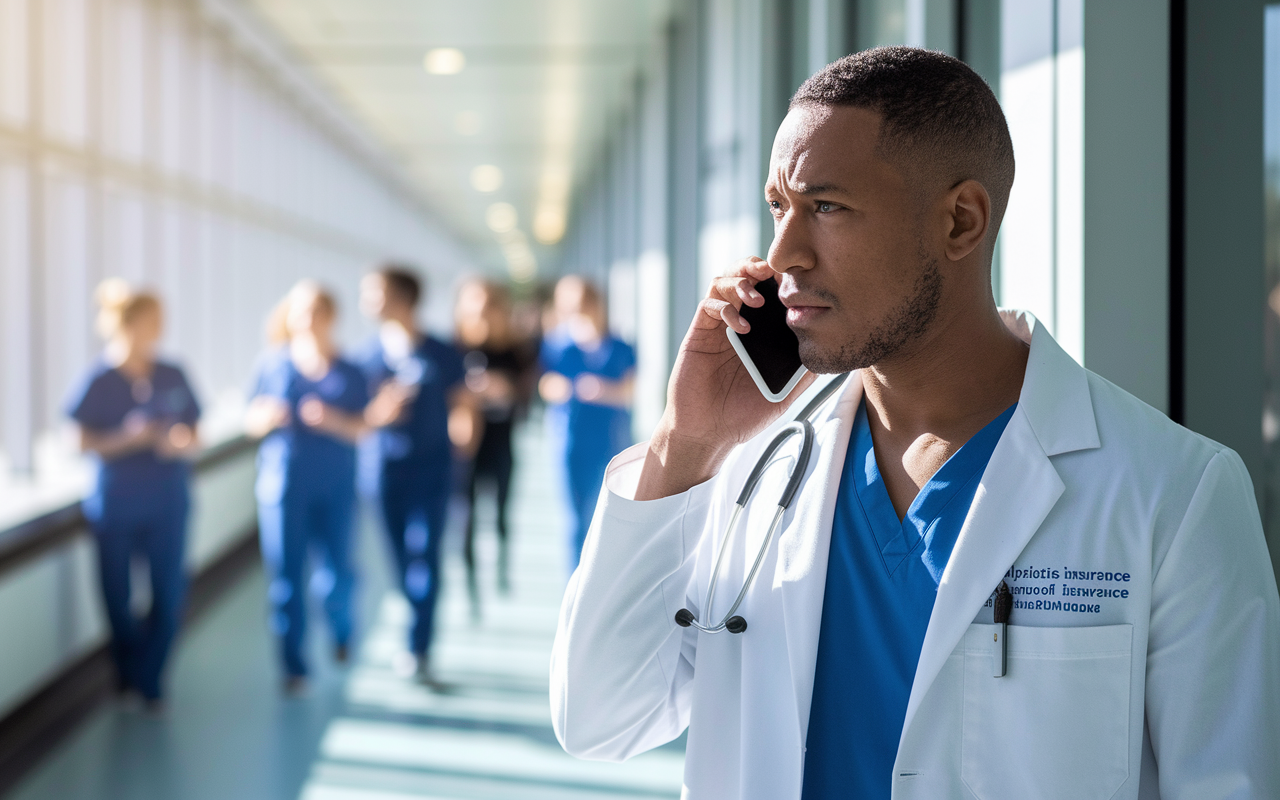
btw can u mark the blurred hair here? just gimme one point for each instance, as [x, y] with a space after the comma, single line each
[120, 305]
[278, 319]
[590, 297]
[940, 120]
[403, 281]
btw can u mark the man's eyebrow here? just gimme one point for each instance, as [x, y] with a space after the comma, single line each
[816, 188]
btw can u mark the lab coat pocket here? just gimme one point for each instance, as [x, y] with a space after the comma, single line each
[1057, 724]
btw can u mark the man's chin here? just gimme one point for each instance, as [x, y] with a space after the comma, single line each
[823, 359]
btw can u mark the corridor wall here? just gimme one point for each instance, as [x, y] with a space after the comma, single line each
[169, 142]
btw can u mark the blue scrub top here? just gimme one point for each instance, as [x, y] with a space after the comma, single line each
[435, 368]
[882, 579]
[589, 430]
[297, 455]
[101, 402]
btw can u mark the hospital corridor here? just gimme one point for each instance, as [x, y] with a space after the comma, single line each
[377, 378]
[361, 732]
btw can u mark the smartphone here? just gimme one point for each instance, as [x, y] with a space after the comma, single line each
[770, 350]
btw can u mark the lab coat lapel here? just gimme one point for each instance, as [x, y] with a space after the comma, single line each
[1018, 490]
[803, 551]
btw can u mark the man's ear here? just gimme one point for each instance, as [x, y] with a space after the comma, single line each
[968, 210]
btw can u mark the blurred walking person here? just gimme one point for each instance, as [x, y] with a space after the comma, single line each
[499, 371]
[137, 419]
[588, 384]
[307, 406]
[419, 385]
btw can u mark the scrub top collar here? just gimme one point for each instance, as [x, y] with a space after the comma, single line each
[898, 539]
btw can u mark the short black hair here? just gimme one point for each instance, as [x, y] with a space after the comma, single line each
[938, 114]
[402, 281]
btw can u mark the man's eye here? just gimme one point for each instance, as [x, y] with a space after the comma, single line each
[774, 205]
[826, 208]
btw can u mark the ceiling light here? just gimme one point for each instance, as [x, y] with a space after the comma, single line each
[444, 61]
[501, 217]
[549, 223]
[467, 123]
[486, 178]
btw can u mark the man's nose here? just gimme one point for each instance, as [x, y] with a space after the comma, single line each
[792, 247]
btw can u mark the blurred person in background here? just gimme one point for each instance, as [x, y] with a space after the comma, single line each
[499, 374]
[588, 382]
[137, 419]
[420, 411]
[307, 405]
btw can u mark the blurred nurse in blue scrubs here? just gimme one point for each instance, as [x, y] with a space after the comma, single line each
[137, 417]
[421, 412]
[307, 405]
[588, 383]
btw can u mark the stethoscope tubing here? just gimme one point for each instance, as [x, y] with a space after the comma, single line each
[802, 427]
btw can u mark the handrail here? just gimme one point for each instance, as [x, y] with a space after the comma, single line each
[49, 531]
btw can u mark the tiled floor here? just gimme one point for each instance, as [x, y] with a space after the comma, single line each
[362, 733]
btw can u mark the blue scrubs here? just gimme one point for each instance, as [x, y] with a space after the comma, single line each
[882, 579]
[138, 503]
[409, 467]
[586, 436]
[306, 497]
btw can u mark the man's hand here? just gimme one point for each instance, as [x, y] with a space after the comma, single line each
[315, 413]
[265, 414]
[555, 388]
[390, 406]
[712, 403]
[179, 442]
[138, 432]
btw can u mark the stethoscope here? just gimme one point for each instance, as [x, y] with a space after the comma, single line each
[731, 622]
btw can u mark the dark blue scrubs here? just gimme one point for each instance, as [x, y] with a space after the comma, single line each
[306, 497]
[586, 436]
[409, 467]
[138, 503]
[882, 579]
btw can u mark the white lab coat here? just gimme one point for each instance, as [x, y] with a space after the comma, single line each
[1172, 691]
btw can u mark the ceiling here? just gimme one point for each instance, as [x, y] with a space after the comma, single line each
[538, 84]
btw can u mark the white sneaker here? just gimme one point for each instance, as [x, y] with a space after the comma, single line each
[404, 664]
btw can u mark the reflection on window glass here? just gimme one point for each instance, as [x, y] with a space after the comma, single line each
[1271, 324]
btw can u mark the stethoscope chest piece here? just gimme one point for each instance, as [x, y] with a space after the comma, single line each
[734, 624]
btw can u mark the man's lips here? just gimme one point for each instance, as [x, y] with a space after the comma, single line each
[801, 309]
[801, 315]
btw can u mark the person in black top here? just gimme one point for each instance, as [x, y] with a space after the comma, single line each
[500, 374]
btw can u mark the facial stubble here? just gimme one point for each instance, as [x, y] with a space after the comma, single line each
[901, 327]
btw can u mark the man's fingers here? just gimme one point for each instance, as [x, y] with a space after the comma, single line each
[735, 289]
[731, 291]
[755, 268]
[758, 269]
[717, 312]
[733, 319]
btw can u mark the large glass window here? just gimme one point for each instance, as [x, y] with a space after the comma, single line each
[1271, 324]
[139, 139]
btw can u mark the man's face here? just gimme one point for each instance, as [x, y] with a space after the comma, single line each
[849, 247]
[374, 297]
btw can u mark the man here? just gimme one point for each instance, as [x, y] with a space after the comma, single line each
[964, 453]
[418, 381]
